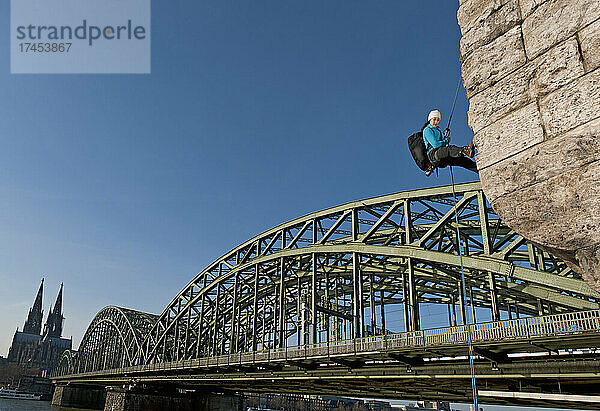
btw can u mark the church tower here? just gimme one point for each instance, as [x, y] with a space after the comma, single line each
[31, 349]
[54, 324]
[33, 325]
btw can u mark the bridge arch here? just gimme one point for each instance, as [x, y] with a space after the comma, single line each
[113, 339]
[331, 275]
[66, 364]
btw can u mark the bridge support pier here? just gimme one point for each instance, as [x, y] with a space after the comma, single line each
[91, 397]
[120, 399]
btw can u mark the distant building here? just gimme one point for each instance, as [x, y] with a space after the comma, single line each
[31, 347]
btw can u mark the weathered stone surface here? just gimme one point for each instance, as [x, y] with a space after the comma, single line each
[118, 399]
[491, 62]
[122, 400]
[572, 105]
[556, 20]
[514, 133]
[589, 263]
[545, 74]
[557, 67]
[590, 45]
[115, 400]
[493, 103]
[548, 191]
[473, 11]
[527, 6]
[546, 160]
[562, 212]
[490, 27]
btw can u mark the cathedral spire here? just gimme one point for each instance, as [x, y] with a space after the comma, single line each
[54, 323]
[33, 325]
[58, 303]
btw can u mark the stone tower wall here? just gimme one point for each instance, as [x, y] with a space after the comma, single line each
[530, 70]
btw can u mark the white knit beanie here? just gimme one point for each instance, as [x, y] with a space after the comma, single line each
[434, 114]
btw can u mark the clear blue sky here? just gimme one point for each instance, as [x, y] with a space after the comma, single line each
[125, 186]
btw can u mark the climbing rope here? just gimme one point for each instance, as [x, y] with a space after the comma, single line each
[462, 268]
[447, 131]
[464, 293]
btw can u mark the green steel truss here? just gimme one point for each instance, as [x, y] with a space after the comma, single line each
[112, 340]
[342, 273]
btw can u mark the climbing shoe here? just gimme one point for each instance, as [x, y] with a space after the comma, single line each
[470, 150]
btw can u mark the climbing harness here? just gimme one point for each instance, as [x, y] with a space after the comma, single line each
[462, 268]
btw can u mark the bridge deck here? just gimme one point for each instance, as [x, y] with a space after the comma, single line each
[404, 365]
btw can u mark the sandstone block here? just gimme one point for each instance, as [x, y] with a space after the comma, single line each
[545, 74]
[510, 93]
[543, 161]
[571, 105]
[514, 133]
[557, 67]
[556, 20]
[590, 45]
[527, 6]
[561, 212]
[486, 29]
[588, 259]
[546, 190]
[491, 62]
[471, 12]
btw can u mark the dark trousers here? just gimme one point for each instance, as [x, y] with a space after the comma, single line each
[451, 156]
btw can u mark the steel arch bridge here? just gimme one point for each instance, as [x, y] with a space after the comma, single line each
[112, 340]
[348, 273]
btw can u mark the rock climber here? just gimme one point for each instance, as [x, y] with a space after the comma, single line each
[439, 151]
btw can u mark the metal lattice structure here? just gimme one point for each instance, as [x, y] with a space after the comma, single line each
[339, 274]
[66, 365]
[112, 340]
[330, 275]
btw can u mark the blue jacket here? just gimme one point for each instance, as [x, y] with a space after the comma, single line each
[432, 136]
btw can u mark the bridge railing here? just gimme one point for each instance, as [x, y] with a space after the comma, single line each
[522, 329]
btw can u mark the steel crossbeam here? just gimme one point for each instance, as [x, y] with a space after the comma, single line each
[342, 273]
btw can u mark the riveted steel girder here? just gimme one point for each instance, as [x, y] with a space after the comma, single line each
[341, 273]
